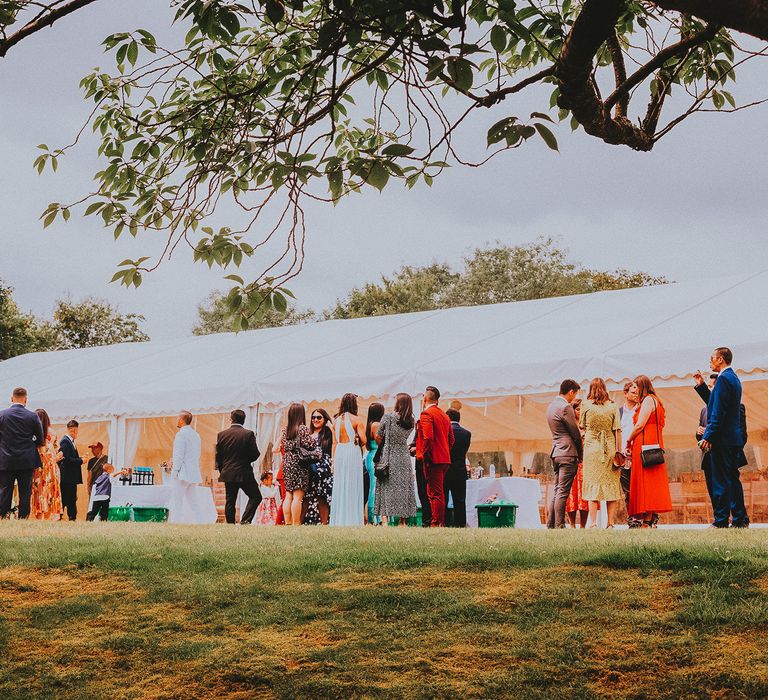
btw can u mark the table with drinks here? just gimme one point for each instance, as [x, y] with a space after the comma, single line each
[138, 488]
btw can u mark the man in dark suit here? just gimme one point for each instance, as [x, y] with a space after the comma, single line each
[434, 439]
[70, 469]
[235, 451]
[456, 476]
[723, 438]
[566, 450]
[21, 434]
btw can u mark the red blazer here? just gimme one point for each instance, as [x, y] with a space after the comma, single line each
[434, 437]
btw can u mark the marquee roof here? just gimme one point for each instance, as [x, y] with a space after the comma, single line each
[502, 349]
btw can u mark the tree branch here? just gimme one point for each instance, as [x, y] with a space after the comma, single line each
[40, 22]
[659, 60]
[619, 72]
[578, 92]
[748, 16]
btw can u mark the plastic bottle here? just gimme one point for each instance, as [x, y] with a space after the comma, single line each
[492, 471]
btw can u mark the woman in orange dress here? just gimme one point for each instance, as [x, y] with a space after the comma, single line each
[46, 484]
[648, 486]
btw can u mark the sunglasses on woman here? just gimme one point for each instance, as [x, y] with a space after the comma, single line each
[317, 418]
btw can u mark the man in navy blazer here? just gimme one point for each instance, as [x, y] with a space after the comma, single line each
[456, 476]
[70, 470]
[21, 434]
[724, 438]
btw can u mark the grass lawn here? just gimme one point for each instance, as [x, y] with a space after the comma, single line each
[129, 610]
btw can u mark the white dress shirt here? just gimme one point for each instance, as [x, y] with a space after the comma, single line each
[186, 455]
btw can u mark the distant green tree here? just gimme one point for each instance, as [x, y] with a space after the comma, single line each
[215, 316]
[490, 276]
[21, 332]
[93, 322]
[409, 289]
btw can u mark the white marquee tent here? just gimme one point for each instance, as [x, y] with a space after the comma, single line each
[503, 361]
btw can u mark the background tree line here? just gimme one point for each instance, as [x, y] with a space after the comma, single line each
[82, 324]
[490, 275]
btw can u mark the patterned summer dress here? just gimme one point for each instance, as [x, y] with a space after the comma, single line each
[320, 486]
[601, 480]
[395, 496]
[46, 483]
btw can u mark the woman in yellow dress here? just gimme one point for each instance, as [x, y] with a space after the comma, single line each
[600, 421]
[46, 482]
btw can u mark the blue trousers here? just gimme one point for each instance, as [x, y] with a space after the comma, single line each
[726, 490]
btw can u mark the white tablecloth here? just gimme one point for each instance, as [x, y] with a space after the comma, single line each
[197, 507]
[515, 489]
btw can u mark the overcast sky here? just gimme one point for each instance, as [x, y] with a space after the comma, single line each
[697, 203]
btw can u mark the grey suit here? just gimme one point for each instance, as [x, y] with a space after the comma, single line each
[566, 455]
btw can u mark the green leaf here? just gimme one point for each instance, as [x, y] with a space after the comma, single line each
[498, 38]
[133, 53]
[275, 11]
[279, 302]
[378, 176]
[48, 220]
[230, 22]
[541, 115]
[92, 208]
[548, 136]
[398, 149]
[498, 132]
[235, 278]
[461, 73]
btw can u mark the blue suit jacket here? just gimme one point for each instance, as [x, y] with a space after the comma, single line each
[21, 433]
[723, 412]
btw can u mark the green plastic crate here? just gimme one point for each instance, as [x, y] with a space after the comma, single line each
[119, 513]
[150, 515]
[411, 522]
[496, 514]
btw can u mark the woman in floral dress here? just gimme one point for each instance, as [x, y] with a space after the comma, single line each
[318, 496]
[46, 483]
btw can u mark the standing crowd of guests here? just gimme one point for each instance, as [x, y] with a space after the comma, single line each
[349, 471]
[603, 453]
[43, 470]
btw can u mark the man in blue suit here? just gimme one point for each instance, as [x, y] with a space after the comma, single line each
[21, 433]
[724, 439]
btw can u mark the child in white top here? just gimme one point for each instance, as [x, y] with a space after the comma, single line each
[266, 513]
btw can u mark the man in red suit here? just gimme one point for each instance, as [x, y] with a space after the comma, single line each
[434, 439]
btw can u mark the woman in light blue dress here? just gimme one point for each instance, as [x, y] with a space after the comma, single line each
[375, 412]
[346, 505]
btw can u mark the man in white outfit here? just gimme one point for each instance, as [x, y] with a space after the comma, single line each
[185, 471]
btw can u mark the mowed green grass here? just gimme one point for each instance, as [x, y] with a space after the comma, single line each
[128, 610]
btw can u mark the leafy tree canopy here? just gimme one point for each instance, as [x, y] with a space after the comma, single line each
[92, 322]
[268, 103]
[20, 332]
[83, 324]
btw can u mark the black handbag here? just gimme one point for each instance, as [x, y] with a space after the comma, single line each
[305, 457]
[652, 455]
[380, 471]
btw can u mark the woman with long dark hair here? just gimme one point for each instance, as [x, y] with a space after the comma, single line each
[296, 436]
[395, 494]
[348, 464]
[648, 484]
[602, 439]
[46, 481]
[375, 412]
[317, 500]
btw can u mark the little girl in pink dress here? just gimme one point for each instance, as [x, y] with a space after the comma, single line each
[266, 513]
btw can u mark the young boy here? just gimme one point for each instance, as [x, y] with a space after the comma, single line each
[102, 492]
